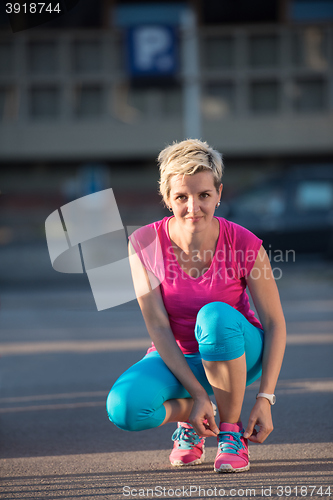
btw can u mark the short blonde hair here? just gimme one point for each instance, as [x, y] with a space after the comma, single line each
[187, 158]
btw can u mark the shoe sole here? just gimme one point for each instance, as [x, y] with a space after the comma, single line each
[225, 468]
[179, 463]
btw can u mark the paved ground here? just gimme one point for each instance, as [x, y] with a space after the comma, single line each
[60, 357]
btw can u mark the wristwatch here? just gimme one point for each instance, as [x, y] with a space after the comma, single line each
[271, 397]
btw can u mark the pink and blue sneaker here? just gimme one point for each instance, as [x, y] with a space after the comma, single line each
[232, 454]
[188, 448]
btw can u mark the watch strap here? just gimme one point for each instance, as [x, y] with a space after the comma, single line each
[271, 397]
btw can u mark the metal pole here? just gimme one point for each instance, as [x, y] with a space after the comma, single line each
[190, 65]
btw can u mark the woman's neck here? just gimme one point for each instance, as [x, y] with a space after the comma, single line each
[190, 242]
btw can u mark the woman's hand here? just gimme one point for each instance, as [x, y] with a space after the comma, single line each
[202, 417]
[262, 417]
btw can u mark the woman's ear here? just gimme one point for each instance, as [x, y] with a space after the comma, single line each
[167, 204]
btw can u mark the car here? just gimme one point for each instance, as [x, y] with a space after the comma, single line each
[291, 211]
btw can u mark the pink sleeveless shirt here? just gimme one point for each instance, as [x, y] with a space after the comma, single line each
[183, 295]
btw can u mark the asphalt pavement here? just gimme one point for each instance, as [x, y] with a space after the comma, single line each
[60, 356]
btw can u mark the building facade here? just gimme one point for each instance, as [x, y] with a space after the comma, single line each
[259, 89]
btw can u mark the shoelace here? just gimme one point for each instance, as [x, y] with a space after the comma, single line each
[229, 446]
[187, 438]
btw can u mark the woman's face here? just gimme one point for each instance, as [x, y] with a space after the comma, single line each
[193, 199]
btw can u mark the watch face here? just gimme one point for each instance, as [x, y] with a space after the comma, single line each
[273, 399]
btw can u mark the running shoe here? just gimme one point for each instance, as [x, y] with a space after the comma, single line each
[188, 447]
[232, 454]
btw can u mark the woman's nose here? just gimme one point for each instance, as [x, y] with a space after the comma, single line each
[192, 205]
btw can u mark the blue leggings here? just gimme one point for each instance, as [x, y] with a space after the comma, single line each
[135, 402]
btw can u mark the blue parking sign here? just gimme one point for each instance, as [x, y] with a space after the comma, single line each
[152, 50]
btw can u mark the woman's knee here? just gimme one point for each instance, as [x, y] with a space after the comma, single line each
[116, 408]
[219, 332]
[134, 402]
[120, 410]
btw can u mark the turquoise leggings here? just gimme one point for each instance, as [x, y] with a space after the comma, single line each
[135, 402]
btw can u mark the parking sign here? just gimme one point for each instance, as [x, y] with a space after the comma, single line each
[152, 50]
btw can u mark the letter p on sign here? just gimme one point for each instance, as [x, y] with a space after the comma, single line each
[152, 50]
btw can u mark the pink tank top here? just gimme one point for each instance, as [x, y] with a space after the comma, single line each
[183, 295]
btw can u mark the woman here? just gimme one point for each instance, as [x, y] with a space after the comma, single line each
[190, 273]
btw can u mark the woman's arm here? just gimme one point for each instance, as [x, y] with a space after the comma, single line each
[156, 318]
[266, 299]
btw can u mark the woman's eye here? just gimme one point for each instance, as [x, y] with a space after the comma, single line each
[204, 195]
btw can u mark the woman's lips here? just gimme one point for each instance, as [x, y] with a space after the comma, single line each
[193, 219]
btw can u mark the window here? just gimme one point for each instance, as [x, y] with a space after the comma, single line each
[218, 99]
[138, 99]
[3, 101]
[6, 58]
[8, 103]
[172, 102]
[310, 95]
[155, 101]
[42, 57]
[89, 101]
[309, 49]
[44, 102]
[264, 97]
[218, 53]
[87, 56]
[263, 51]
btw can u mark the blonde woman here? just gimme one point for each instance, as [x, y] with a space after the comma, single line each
[190, 272]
